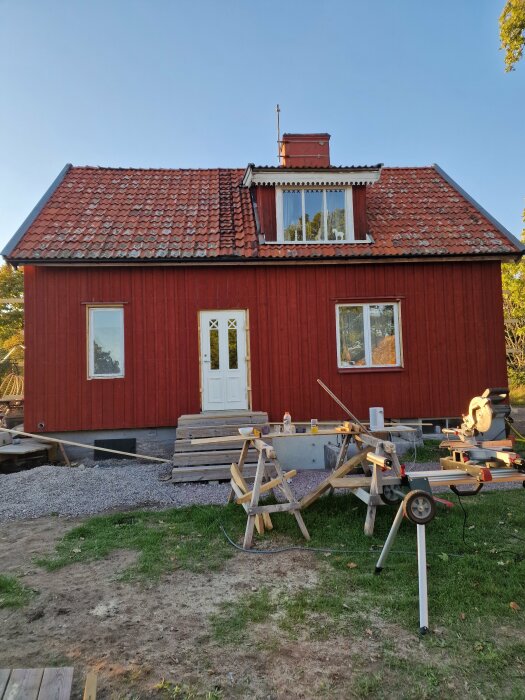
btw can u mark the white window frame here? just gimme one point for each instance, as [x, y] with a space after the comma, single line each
[91, 346]
[349, 215]
[367, 333]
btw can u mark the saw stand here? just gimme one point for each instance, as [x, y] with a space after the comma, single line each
[419, 507]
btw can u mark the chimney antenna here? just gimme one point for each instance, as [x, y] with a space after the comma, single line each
[278, 111]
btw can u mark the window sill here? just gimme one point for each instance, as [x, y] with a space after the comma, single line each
[108, 376]
[368, 241]
[364, 370]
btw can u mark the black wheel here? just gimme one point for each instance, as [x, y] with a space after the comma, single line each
[390, 496]
[419, 507]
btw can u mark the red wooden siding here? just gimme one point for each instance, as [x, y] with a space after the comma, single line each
[360, 220]
[451, 351]
[265, 198]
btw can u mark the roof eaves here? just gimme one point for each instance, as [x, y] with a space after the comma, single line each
[511, 238]
[17, 237]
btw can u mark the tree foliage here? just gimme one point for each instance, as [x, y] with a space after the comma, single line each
[513, 275]
[512, 32]
[11, 315]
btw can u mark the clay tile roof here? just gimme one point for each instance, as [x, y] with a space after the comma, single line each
[108, 214]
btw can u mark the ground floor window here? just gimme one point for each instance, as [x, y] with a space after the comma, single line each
[368, 335]
[105, 342]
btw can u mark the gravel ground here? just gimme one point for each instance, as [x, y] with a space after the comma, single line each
[119, 485]
[115, 485]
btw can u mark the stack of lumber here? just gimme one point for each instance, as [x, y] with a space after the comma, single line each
[212, 462]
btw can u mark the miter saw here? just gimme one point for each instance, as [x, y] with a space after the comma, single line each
[480, 444]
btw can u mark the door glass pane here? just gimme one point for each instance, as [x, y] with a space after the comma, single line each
[292, 215]
[214, 344]
[351, 336]
[313, 214]
[107, 338]
[232, 344]
[335, 205]
[382, 332]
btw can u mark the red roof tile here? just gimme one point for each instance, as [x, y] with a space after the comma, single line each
[104, 214]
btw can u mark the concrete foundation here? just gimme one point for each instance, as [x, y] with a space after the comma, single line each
[154, 442]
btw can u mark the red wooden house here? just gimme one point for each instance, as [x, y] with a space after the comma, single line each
[153, 293]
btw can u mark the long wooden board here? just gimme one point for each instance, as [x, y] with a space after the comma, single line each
[4, 678]
[219, 472]
[24, 684]
[270, 436]
[56, 684]
[209, 458]
[90, 689]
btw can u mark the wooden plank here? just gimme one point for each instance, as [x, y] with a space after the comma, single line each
[189, 446]
[267, 521]
[56, 684]
[240, 481]
[4, 678]
[268, 486]
[360, 482]
[492, 444]
[216, 472]
[208, 458]
[24, 684]
[81, 444]
[318, 491]
[269, 436]
[273, 508]
[234, 420]
[235, 439]
[90, 689]
[262, 446]
[205, 431]
[248, 534]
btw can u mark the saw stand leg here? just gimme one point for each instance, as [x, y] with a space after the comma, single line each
[421, 565]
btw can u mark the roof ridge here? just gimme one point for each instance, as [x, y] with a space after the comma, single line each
[408, 167]
[169, 170]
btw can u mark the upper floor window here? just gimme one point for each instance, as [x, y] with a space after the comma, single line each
[105, 342]
[315, 215]
[368, 335]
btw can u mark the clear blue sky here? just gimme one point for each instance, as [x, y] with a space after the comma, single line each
[169, 83]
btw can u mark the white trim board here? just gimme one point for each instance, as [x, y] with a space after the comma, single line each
[314, 177]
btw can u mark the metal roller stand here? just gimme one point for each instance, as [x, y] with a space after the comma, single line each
[419, 507]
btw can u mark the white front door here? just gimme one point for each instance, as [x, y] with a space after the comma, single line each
[223, 360]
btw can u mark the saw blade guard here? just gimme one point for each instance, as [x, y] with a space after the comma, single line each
[486, 410]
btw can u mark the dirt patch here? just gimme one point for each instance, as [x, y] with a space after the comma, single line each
[135, 635]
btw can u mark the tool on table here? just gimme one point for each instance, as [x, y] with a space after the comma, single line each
[472, 446]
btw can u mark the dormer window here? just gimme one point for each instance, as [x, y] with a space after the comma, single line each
[314, 215]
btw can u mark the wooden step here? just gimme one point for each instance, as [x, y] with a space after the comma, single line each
[186, 446]
[216, 472]
[201, 431]
[235, 418]
[194, 459]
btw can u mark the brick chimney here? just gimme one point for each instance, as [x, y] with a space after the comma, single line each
[305, 151]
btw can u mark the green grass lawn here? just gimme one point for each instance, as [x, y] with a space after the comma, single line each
[12, 593]
[428, 452]
[517, 395]
[476, 580]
